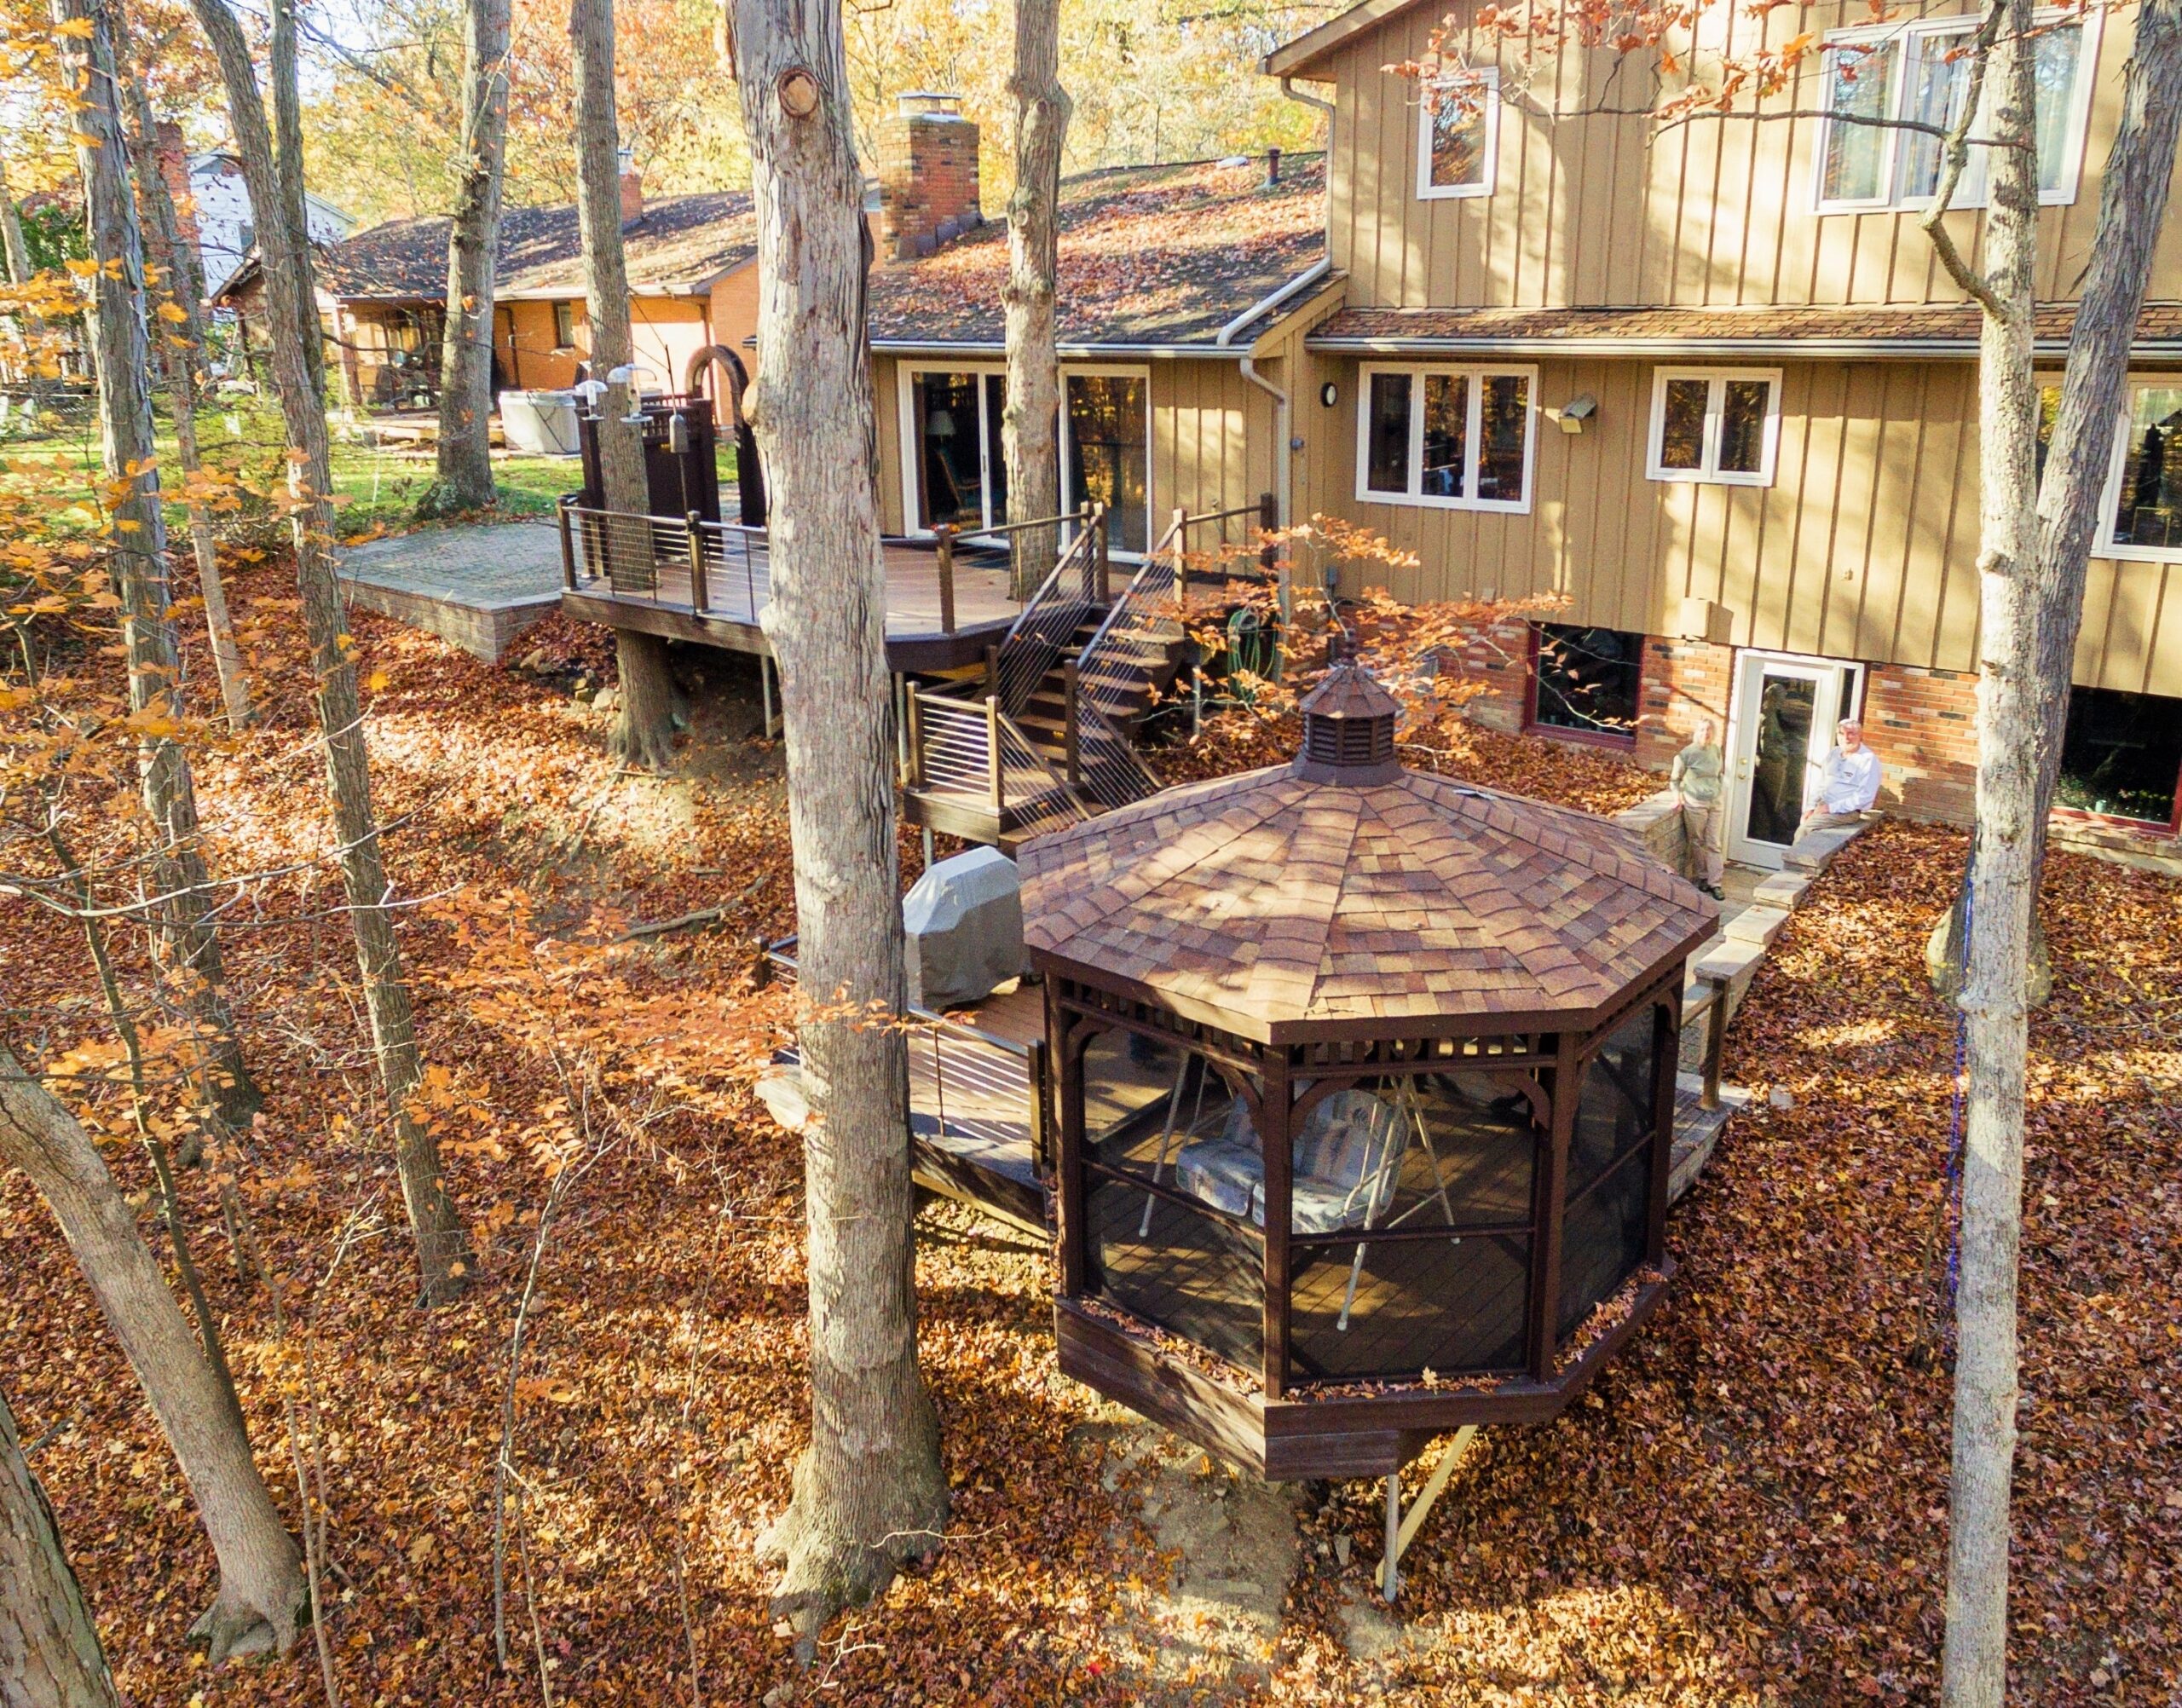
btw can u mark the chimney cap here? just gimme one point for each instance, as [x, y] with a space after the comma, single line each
[928, 103]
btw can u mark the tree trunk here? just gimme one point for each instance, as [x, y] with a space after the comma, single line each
[1029, 423]
[291, 320]
[129, 445]
[261, 1595]
[49, 1653]
[2003, 872]
[645, 713]
[2131, 212]
[869, 1493]
[464, 478]
[183, 349]
[12, 249]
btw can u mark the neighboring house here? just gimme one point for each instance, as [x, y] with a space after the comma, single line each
[1714, 387]
[1176, 282]
[225, 228]
[693, 283]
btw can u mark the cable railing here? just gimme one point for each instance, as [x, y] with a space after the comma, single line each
[1050, 620]
[972, 1084]
[711, 568]
[1145, 619]
[973, 752]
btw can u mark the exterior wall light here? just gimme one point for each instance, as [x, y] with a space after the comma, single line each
[1576, 412]
[1329, 394]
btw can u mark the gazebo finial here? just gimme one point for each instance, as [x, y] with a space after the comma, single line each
[1348, 728]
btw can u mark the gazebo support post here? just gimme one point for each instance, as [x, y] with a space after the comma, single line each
[1273, 1117]
[1552, 1189]
[1066, 1052]
[1402, 1527]
[1666, 1049]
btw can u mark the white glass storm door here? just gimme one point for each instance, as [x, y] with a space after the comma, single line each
[1105, 453]
[954, 470]
[1785, 710]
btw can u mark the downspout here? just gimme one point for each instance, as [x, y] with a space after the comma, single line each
[1282, 452]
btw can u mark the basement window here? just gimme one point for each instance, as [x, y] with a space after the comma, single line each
[1585, 681]
[2121, 756]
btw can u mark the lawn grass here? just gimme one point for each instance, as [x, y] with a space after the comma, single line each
[375, 488]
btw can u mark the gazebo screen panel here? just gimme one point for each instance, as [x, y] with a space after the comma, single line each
[1192, 1272]
[1606, 1220]
[1452, 1304]
[1615, 1101]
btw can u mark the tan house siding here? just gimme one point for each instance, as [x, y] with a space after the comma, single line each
[1863, 548]
[1608, 209]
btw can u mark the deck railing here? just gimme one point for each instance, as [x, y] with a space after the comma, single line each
[710, 569]
[973, 752]
[956, 1069]
[1050, 619]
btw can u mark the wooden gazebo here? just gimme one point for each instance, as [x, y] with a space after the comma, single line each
[1365, 1084]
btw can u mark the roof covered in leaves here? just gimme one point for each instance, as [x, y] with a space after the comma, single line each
[1149, 254]
[1278, 906]
[679, 244]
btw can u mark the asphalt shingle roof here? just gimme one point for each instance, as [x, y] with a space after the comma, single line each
[1149, 254]
[678, 243]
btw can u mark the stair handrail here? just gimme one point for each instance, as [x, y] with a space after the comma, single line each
[1137, 591]
[1027, 634]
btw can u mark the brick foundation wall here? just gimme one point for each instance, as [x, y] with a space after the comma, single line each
[1923, 725]
[1684, 682]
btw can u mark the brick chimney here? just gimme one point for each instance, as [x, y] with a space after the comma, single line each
[928, 176]
[632, 189]
[174, 167]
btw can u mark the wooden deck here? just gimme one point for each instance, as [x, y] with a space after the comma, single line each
[737, 589]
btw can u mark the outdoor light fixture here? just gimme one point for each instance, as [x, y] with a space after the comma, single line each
[1329, 394]
[1576, 411]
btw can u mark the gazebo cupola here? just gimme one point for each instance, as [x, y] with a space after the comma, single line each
[1365, 1085]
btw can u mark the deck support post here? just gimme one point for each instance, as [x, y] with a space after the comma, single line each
[568, 546]
[945, 535]
[1071, 741]
[1180, 527]
[1716, 1038]
[916, 760]
[993, 764]
[1402, 1528]
[765, 690]
[695, 523]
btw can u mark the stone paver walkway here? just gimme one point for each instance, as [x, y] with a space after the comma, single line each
[478, 585]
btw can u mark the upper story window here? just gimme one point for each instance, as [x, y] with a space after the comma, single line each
[1720, 425]
[564, 325]
[1458, 135]
[1879, 78]
[1457, 437]
[2143, 508]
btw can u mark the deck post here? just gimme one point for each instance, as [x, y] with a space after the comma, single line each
[1042, 1138]
[1070, 741]
[944, 534]
[695, 524]
[1086, 514]
[993, 762]
[1105, 557]
[1268, 522]
[568, 546]
[765, 690]
[1180, 529]
[992, 672]
[916, 737]
[1390, 1578]
[1715, 1039]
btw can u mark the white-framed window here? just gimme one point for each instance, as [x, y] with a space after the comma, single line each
[1459, 438]
[1458, 134]
[2141, 515]
[1106, 450]
[1879, 77]
[564, 325]
[1716, 424]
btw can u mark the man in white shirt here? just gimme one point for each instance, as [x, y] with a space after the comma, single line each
[1848, 783]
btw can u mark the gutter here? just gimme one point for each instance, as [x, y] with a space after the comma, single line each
[1282, 453]
[967, 349]
[1790, 349]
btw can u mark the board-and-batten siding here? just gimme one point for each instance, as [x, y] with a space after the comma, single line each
[1863, 548]
[1212, 444]
[1609, 210]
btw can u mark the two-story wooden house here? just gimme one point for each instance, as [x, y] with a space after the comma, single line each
[1711, 383]
[1708, 383]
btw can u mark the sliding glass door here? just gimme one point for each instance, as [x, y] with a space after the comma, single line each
[1106, 454]
[957, 469]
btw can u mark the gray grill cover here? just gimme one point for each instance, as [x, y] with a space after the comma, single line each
[964, 919]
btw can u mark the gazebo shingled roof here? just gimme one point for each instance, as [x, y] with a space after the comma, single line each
[1315, 897]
